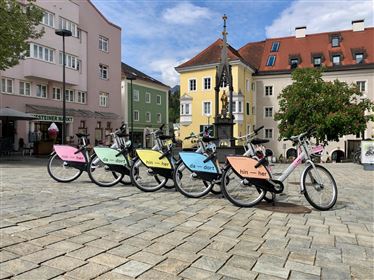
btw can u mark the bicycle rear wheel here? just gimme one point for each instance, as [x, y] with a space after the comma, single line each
[238, 193]
[145, 179]
[101, 174]
[61, 171]
[319, 187]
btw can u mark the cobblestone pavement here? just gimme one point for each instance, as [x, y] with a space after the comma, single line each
[51, 230]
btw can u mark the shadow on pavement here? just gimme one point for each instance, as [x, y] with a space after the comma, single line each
[283, 207]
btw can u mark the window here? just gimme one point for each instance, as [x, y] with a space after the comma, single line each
[136, 116]
[207, 83]
[159, 118]
[275, 47]
[81, 97]
[294, 62]
[147, 97]
[185, 109]
[359, 58]
[268, 90]
[41, 53]
[24, 88]
[56, 94]
[240, 109]
[71, 61]
[207, 108]
[192, 85]
[104, 71]
[103, 44]
[268, 133]
[233, 107]
[69, 25]
[6, 85]
[268, 112]
[361, 86]
[103, 99]
[148, 117]
[335, 41]
[271, 60]
[69, 95]
[317, 61]
[336, 59]
[48, 19]
[158, 99]
[136, 95]
[248, 111]
[41, 91]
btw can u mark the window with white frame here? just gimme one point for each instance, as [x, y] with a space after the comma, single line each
[41, 52]
[158, 99]
[69, 95]
[336, 59]
[185, 109]
[361, 86]
[136, 95]
[6, 85]
[240, 107]
[48, 19]
[71, 61]
[207, 108]
[41, 91]
[136, 115]
[268, 112]
[103, 44]
[147, 97]
[56, 93]
[24, 88]
[159, 118]
[148, 116]
[268, 133]
[103, 99]
[81, 97]
[233, 108]
[69, 25]
[192, 85]
[268, 90]
[104, 71]
[207, 83]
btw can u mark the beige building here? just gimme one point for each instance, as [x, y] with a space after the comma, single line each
[93, 76]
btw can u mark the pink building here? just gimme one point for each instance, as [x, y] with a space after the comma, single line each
[93, 76]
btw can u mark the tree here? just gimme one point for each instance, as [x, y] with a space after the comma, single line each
[174, 106]
[333, 108]
[18, 24]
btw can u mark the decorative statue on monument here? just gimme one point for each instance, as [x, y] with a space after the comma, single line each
[224, 101]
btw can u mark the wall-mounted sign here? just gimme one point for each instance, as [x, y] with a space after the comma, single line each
[52, 118]
[367, 152]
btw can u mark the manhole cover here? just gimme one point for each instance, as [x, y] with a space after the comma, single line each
[284, 207]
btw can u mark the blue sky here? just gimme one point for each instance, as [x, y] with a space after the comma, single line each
[159, 35]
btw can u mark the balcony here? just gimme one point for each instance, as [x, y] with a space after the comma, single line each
[185, 120]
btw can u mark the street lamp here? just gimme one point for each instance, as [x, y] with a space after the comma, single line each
[64, 33]
[131, 78]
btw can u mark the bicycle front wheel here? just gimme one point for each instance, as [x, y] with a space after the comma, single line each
[61, 171]
[145, 179]
[238, 192]
[101, 174]
[319, 187]
[187, 183]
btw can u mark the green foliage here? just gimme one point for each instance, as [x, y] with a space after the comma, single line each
[174, 106]
[18, 24]
[333, 108]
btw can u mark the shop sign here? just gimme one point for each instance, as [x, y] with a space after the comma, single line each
[52, 118]
[367, 152]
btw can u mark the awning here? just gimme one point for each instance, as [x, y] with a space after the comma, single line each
[11, 114]
[106, 115]
[39, 109]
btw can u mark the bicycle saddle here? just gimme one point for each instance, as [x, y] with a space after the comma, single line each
[165, 137]
[257, 141]
[80, 135]
[206, 139]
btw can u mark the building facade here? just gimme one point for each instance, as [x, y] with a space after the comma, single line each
[149, 104]
[346, 55]
[93, 76]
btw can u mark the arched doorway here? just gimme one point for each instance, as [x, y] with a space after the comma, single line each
[337, 156]
[291, 152]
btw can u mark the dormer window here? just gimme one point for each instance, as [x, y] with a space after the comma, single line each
[271, 60]
[335, 41]
[359, 58]
[275, 46]
[336, 59]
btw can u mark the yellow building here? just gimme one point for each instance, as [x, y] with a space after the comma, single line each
[197, 89]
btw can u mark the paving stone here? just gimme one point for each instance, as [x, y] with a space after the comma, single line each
[215, 254]
[196, 273]
[109, 260]
[237, 273]
[273, 259]
[83, 238]
[268, 268]
[160, 248]
[5, 275]
[172, 266]
[335, 272]
[65, 263]
[297, 275]
[65, 246]
[362, 272]
[310, 269]
[17, 266]
[302, 256]
[24, 248]
[133, 268]
[85, 253]
[6, 256]
[210, 264]
[88, 271]
[40, 273]
[113, 276]
[42, 255]
[182, 255]
[158, 275]
[46, 240]
[124, 250]
[267, 277]
[103, 244]
[147, 257]
[7, 240]
[242, 262]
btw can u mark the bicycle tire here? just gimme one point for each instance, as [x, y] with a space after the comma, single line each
[230, 195]
[134, 174]
[98, 166]
[308, 173]
[64, 166]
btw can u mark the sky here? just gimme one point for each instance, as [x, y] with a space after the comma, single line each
[158, 35]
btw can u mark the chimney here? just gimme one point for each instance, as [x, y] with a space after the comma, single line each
[300, 32]
[358, 25]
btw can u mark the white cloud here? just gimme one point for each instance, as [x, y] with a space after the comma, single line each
[186, 13]
[321, 16]
[165, 69]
